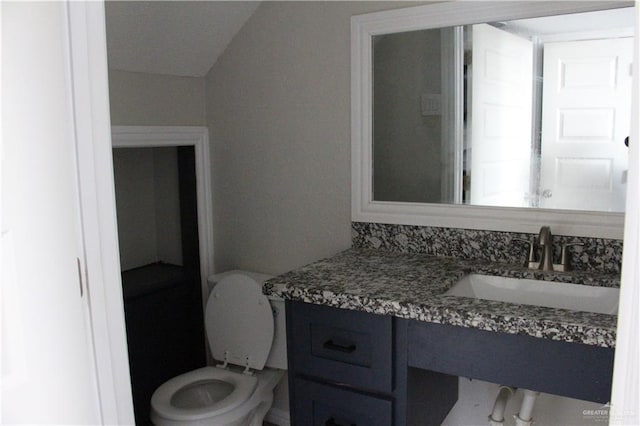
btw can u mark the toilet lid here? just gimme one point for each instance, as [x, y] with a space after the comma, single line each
[239, 322]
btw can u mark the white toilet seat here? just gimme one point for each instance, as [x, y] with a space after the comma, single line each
[240, 325]
[243, 387]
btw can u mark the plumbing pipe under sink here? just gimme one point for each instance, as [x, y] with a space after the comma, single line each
[524, 417]
[497, 415]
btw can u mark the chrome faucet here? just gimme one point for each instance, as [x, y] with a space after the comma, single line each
[545, 241]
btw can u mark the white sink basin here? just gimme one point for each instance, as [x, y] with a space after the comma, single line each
[603, 300]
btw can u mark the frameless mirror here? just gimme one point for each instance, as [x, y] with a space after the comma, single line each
[515, 113]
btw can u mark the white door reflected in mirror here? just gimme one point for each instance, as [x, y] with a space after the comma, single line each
[502, 109]
[586, 110]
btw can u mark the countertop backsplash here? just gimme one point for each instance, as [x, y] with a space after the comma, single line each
[596, 254]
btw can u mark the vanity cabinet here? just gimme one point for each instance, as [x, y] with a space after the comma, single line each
[322, 404]
[354, 368]
[342, 346]
[350, 368]
[556, 367]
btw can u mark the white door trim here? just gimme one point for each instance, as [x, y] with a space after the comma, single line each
[198, 137]
[91, 117]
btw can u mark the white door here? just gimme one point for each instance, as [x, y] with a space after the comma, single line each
[586, 103]
[502, 88]
[48, 367]
[625, 393]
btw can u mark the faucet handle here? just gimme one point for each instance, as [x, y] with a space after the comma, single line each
[532, 252]
[564, 256]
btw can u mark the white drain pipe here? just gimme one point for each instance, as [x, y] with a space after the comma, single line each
[525, 416]
[497, 415]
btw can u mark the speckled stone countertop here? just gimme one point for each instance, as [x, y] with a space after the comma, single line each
[412, 286]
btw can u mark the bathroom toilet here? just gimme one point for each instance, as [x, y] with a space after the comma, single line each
[246, 334]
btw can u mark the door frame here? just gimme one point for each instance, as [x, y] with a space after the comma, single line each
[173, 136]
[101, 270]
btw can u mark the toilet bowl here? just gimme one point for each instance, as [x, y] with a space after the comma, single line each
[240, 322]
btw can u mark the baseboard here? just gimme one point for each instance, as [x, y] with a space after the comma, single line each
[278, 417]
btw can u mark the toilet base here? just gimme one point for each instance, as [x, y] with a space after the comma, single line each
[250, 413]
[245, 420]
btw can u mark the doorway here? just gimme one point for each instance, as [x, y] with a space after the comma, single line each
[158, 204]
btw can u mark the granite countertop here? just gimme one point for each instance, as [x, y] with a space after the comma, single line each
[412, 286]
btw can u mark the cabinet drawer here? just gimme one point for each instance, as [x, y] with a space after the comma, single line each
[342, 346]
[323, 405]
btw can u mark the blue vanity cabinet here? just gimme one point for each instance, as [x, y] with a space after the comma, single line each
[562, 368]
[326, 405]
[350, 368]
[355, 368]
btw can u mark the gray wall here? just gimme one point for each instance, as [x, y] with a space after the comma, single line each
[133, 174]
[277, 106]
[407, 144]
[147, 179]
[278, 112]
[148, 206]
[167, 205]
[142, 99]
[278, 109]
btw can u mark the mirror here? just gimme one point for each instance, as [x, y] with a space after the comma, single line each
[521, 108]
[545, 112]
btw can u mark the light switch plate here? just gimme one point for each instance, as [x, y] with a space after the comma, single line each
[430, 104]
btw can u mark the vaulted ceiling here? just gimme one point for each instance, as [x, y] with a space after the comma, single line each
[182, 38]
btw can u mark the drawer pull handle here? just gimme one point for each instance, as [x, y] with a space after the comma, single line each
[332, 422]
[329, 344]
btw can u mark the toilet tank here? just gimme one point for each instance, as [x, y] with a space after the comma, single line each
[278, 355]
